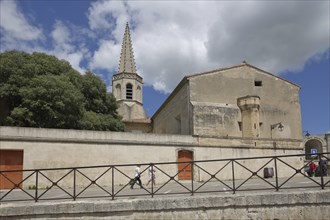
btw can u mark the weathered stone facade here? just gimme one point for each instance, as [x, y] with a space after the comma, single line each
[239, 101]
[280, 205]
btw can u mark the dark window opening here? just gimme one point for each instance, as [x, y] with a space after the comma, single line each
[257, 83]
[240, 125]
[129, 91]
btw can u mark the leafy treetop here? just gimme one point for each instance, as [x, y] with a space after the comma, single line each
[39, 90]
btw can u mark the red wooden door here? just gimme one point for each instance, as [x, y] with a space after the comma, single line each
[11, 160]
[185, 169]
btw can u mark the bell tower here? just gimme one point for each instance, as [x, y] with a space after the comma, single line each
[127, 86]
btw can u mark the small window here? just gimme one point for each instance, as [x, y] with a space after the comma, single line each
[129, 91]
[257, 83]
[240, 126]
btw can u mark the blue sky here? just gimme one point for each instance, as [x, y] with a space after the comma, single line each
[172, 39]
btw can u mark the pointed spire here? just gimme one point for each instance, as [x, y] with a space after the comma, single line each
[127, 63]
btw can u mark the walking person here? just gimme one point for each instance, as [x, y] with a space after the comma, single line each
[152, 176]
[137, 177]
[323, 165]
[312, 169]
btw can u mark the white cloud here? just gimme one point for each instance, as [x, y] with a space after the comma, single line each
[107, 56]
[66, 47]
[176, 38]
[107, 15]
[272, 35]
[15, 24]
[15, 27]
[173, 39]
[61, 36]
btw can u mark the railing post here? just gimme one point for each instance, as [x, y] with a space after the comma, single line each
[192, 178]
[74, 184]
[233, 172]
[36, 192]
[113, 182]
[276, 174]
[321, 170]
[153, 177]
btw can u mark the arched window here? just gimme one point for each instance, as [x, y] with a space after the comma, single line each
[129, 91]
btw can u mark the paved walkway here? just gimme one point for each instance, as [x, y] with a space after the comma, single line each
[170, 189]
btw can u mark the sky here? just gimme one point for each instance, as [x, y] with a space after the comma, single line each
[172, 39]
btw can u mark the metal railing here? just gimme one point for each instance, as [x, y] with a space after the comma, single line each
[206, 176]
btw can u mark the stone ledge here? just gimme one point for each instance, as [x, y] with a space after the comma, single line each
[148, 208]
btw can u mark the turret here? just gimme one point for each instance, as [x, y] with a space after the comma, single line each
[249, 106]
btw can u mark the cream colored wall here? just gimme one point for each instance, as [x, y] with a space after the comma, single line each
[240, 172]
[138, 127]
[56, 148]
[279, 99]
[130, 110]
[174, 118]
[214, 119]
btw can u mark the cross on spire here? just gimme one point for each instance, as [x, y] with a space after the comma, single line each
[127, 62]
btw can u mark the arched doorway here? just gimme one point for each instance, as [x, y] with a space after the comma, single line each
[185, 169]
[312, 145]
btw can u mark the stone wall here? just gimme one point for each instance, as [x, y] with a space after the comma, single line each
[279, 99]
[58, 148]
[269, 205]
[214, 119]
[175, 117]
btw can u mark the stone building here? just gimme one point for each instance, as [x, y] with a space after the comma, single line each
[241, 101]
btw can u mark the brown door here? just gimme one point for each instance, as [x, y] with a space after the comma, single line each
[185, 169]
[11, 160]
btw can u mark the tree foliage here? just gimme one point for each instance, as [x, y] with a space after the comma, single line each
[38, 90]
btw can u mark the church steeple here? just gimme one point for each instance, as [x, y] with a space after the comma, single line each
[127, 88]
[127, 62]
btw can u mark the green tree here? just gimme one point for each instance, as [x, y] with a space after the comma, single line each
[38, 90]
[94, 91]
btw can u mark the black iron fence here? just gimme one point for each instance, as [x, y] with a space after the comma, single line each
[234, 175]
